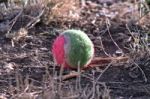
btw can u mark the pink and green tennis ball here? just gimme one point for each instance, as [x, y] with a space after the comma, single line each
[73, 48]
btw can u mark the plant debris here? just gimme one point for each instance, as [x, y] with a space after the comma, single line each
[118, 28]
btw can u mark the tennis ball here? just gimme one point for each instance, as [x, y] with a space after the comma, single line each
[73, 49]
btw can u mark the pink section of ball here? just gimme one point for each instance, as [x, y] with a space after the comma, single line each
[58, 50]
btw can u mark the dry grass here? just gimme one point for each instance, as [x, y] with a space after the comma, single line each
[27, 69]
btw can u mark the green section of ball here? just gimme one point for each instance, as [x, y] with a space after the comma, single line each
[78, 48]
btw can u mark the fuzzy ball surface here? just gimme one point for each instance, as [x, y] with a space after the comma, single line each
[73, 49]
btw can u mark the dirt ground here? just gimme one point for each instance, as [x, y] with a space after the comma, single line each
[116, 27]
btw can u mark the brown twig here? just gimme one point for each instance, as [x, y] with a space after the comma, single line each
[97, 62]
[70, 76]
